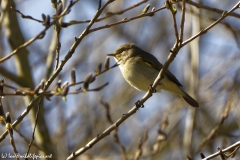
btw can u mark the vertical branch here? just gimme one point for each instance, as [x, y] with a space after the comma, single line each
[171, 7]
[194, 60]
[175, 26]
[182, 21]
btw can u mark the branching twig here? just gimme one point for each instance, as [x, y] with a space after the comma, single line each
[20, 118]
[71, 51]
[107, 15]
[41, 34]
[211, 9]
[74, 46]
[232, 148]
[28, 91]
[125, 20]
[224, 15]
[172, 8]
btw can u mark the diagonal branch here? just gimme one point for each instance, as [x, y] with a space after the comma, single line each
[224, 15]
[76, 43]
[211, 9]
[230, 148]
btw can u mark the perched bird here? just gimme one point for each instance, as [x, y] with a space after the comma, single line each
[140, 68]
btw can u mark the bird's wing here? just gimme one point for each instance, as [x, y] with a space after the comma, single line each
[151, 60]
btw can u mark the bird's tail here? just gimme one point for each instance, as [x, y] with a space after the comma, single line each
[189, 99]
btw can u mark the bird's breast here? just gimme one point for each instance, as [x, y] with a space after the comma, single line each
[138, 75]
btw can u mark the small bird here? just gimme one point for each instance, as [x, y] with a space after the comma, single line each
[140, 68]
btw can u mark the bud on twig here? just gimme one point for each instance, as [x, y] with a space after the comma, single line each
[99, 69]
[106, 64]
[42, 83]
[8, 123]
[64, 84]
[86, 82]
[202, 155]
[170, 6]
[92, 80]
[1, 87]
[8, 118]
[39, 87]
[146, 9]
[43, 17]
[73, 77]
[1, 112]
[59, 8]
[65, 92]
[46, 20]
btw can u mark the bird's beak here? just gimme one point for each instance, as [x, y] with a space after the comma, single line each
[113, 55]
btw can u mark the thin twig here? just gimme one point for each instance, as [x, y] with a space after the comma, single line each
[40, 35]
[10, 132]
[224, 116]
[13, 145]
[211, 26]
[125, 20]
[25, 16]
[107, 15]
[211, 9]
[182, 21]
[28, 91]
[27, 141]
[174, 23]
[36, 120]
[230, 148]
[20, 118]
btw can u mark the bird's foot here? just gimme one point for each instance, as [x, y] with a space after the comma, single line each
[152, 90]
[138, 104]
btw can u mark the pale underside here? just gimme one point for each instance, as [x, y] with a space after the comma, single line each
[144, 76]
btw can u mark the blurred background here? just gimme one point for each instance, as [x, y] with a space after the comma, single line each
[207, 67]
